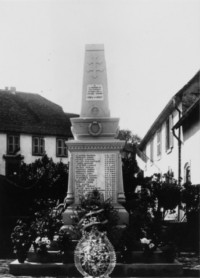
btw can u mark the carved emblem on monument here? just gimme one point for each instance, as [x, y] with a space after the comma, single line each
[95, 128]
[94, 65]
[95, 110]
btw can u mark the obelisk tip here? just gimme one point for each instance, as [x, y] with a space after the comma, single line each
[93, 47]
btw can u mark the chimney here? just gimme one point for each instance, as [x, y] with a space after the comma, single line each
[13, 90]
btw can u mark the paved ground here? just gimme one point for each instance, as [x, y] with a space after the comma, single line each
[190, 261]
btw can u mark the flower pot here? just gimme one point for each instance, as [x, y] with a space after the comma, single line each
[74, 243]
[68, 257]
[169, 257]
[43, 258]
[21, 257]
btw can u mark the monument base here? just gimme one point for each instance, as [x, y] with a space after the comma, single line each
[121, 270]
[123, 214]
[67, 215]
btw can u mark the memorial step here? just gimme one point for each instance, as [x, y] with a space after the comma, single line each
[134, 257]
[120, 270]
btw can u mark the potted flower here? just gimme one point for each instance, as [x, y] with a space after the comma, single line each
[65, 245]
[41, 247]
[148, 248]
[21, 240]
[169, 251]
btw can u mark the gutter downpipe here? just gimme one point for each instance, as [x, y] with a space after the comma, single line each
[179, 148]
[179, 142]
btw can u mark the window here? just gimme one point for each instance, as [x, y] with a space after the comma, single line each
[169, 135]
[159, 143]
[13, 144]
[38, 145]
[151, 151]
[187, 173]
[61, 147]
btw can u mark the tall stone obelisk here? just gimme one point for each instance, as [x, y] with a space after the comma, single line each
[95, 160]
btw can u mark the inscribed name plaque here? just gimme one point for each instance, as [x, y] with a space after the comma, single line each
[94, 92]
[95, 170]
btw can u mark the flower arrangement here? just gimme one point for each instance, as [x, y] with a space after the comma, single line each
[47, 220]
[148, 246]
[40, 232]
[94, 210]
[94, 254]
[64, 240]
[21, 240]
[169, 251]
[44, 231]
[41, 245]
[92, 218]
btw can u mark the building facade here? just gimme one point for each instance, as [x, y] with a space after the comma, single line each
[190, 124]
[31, 126]
[171, 144]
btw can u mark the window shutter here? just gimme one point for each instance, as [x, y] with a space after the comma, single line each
[166, 135]
[159, 143]
[171, 133]
[151, 151]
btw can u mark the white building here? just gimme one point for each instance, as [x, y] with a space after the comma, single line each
[172, 142]
[190, 161]
[31, 126]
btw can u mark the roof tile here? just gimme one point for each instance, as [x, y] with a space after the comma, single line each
[32, 114]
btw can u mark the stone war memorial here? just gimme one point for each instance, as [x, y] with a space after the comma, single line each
[95, 166]
[95, 161]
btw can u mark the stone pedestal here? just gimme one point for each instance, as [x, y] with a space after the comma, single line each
[96, 164]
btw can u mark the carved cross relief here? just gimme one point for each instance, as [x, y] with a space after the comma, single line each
[95, 65]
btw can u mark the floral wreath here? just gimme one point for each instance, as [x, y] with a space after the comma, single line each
[94, 254]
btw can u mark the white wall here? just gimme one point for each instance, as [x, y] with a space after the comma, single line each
[3, 150]
[168, 159]
[191, 152]
[50, 149]
[26, 150]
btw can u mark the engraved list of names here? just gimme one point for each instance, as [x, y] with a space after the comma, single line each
[95, 170]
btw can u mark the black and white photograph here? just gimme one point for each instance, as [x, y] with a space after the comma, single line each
[99, 138]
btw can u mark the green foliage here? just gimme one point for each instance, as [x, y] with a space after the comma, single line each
[21, 238]
[129, 163]
[147, 206]
[93, 210]
[191, 197]
[46, 178]
[41, 245]
[64, 240]
[129, 169]
[128, 136]
[47, 219]
[40, 229]
[141, 212]
[167, 191]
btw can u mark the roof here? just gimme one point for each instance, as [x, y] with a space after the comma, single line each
[32, 114]
[187, 95]
[194, 107]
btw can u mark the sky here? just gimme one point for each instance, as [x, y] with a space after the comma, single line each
[152, 49]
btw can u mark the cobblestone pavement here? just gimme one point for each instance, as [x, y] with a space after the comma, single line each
[189, 260]
[4, 271]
